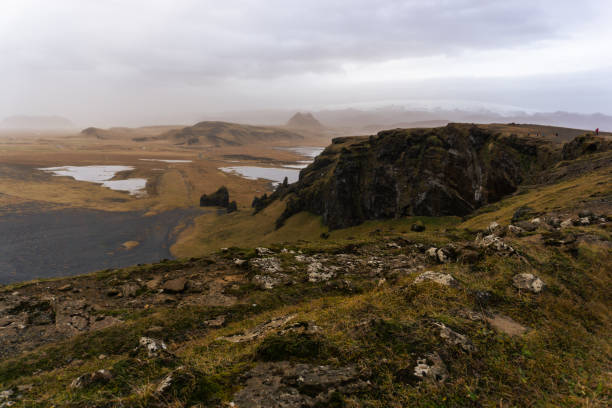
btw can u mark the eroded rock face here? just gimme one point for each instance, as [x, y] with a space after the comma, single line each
[288, 385]
[527, 281]
[451, 170]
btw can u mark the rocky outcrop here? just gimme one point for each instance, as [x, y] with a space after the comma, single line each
[219, 198]
[451, 170]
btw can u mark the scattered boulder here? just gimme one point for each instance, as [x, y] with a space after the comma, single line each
[175, 285]
[65, 288]
[89, 379]
[431, 368]
[527, 281]
[494, 243]
[567, 223]
[440, 278]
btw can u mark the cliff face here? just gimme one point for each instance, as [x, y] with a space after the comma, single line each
[451, 170]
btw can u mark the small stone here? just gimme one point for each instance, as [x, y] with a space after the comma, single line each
[112, 292]
[65, 288]
[239, 262]
[514, 230]
[175, 285]
[584, 221]
[527, 281]
[567, 223]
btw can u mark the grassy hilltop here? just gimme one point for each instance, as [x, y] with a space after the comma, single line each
[508, 306]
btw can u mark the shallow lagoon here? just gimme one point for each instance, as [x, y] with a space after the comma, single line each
[278, 174]
[101, 175]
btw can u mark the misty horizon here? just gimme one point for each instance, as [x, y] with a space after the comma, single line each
[149, 63]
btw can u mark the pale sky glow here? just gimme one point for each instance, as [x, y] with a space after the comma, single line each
[140, 62]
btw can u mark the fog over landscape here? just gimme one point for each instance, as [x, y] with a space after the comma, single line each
[151, 62]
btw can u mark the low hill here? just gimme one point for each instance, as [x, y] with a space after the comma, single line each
[304, 121]
[24, 122]
[228, 134]
[138, 134]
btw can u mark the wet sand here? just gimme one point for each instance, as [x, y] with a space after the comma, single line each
[71, 241]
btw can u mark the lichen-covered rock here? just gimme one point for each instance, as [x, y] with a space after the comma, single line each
[440, 278]
[454, 338]
[494, 243]
[528, 281]
[153, 347]
[431, 368]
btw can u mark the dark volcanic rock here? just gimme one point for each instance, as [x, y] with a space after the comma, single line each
[451, 170]
[219, 198]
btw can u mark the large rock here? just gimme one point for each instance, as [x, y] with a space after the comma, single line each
[219, 198]
[451, 170]
[175, 285]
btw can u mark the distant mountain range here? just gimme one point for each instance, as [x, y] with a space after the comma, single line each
[368, 121]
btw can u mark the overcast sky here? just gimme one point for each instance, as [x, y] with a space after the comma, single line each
[137, 62]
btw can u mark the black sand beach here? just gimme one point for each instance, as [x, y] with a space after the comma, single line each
[74, 241]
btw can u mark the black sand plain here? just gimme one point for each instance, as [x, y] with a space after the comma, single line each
[62, 242]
